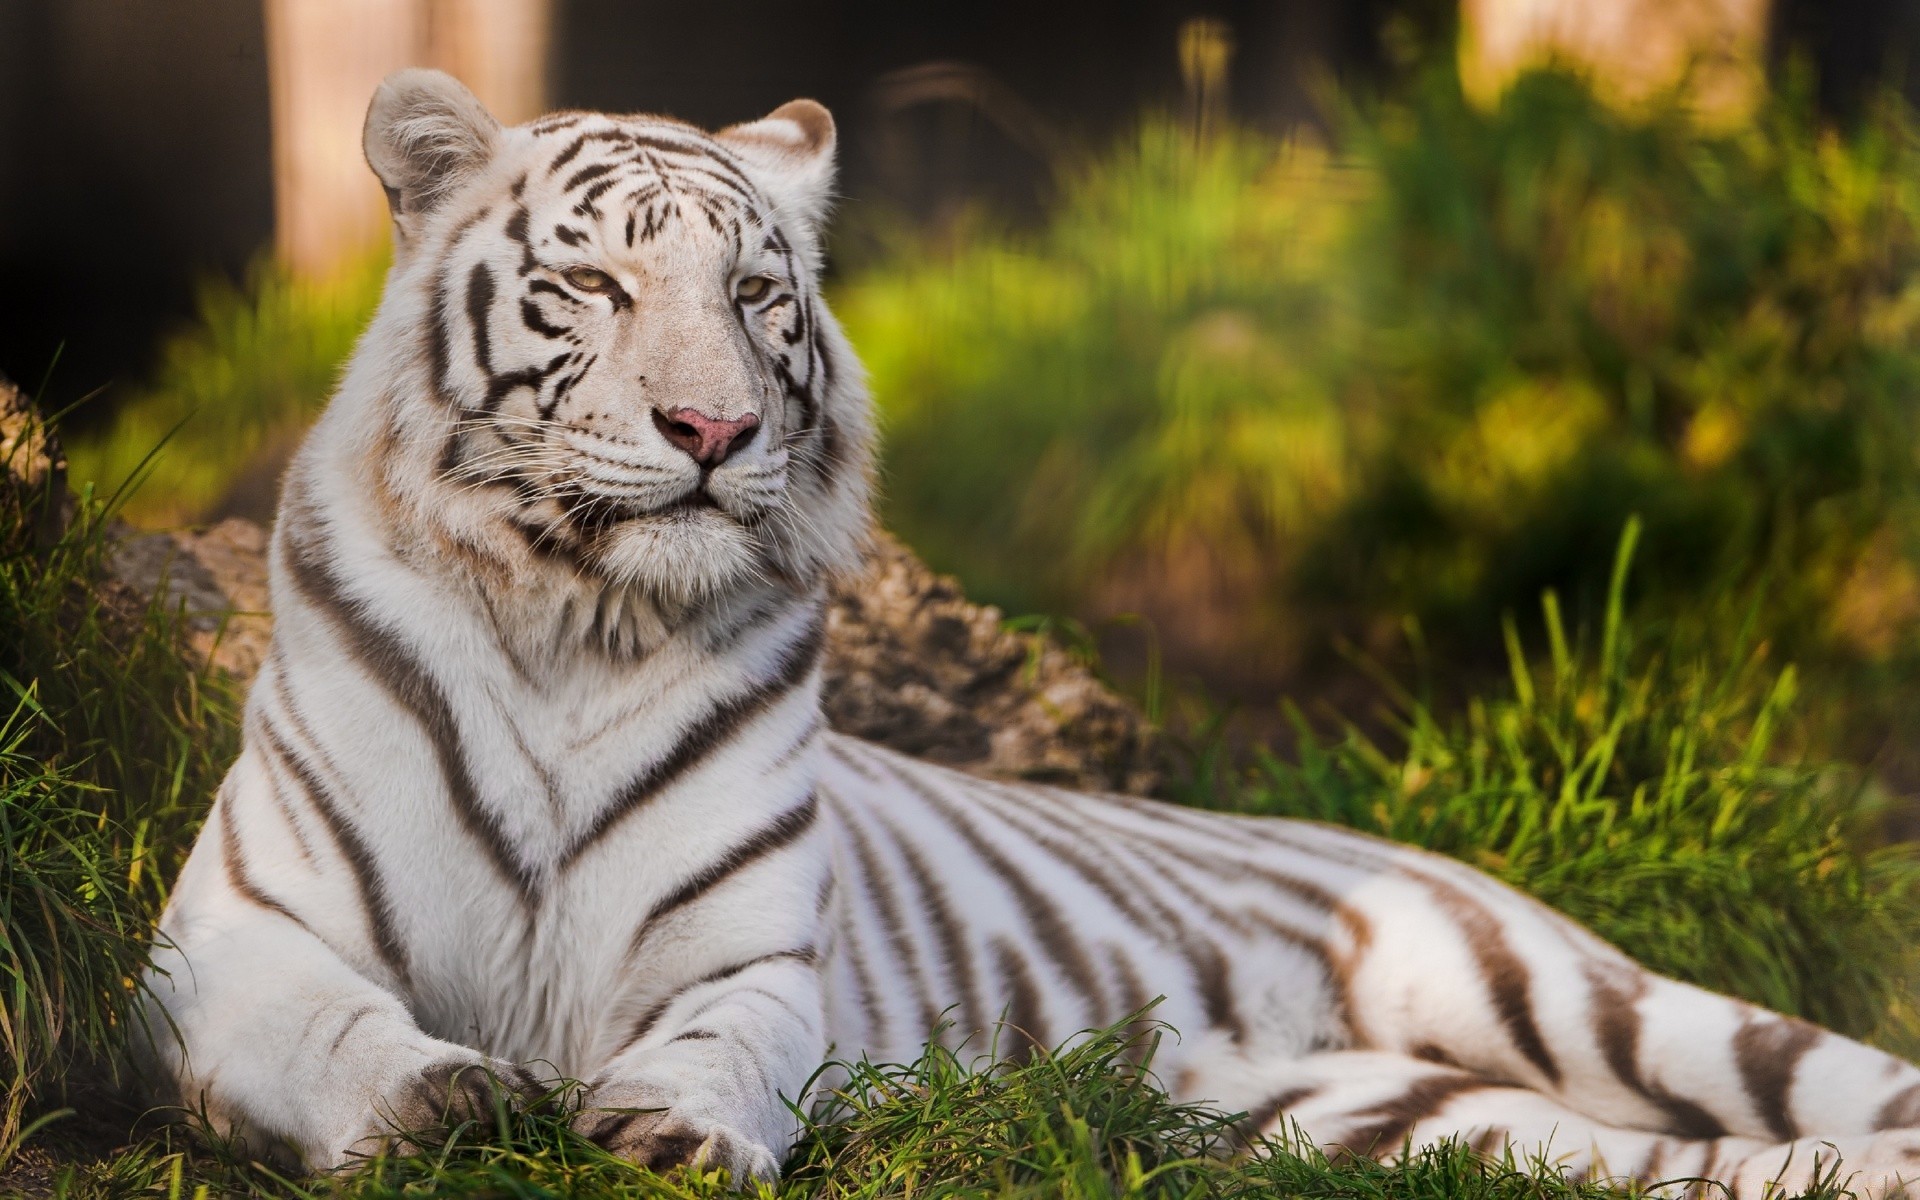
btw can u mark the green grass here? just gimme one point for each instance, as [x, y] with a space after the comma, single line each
[71, 932]
[111, 745]
[1646, 789]
[1082, 1123]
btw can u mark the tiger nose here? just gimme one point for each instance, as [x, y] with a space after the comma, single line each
[709, 441]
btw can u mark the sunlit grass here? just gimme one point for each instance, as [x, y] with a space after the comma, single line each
[1644, 788]
[110, 744]
[1080, 1123]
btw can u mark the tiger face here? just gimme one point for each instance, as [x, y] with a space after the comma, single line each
[619, 323]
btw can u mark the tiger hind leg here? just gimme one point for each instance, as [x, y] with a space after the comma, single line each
[1458, 969]
[1378, 1105]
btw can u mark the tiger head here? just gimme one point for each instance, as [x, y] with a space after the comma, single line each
[602, 341]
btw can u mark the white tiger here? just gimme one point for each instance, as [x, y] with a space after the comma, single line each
[535, 776]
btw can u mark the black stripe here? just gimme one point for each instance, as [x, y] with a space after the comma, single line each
[1508, 979]
[1055, 933]
[1210, 970]
[588, 172]
[1213, 975]
[287, 814]
[941, 913]
[532, 318]
[516, 231]
[782, 832]
[706, 153]
[235, 863]
[1140, 1033]
[1255, 1120]
[439, 355]
[720, 727]
[596, 191]
[389, 663]
[885, 901]
[366, 876]
[1900, 1112]
[652, 1016]
[1768, 1051]
[1387, 1127]
[568, 155]
[1208, 964]
[499, 387]
[1025, 1014]
[1039, 826]
[850, 945]
[479, 308]
[1616, 1027]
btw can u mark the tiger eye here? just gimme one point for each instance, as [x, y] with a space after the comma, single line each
[590, 279]
[753, 287]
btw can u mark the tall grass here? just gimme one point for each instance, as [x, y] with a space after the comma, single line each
[71, 933]
[1080, 1123]
[112, 745]
[1643, 789]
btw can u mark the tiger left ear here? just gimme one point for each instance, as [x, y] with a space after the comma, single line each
[425, 135]
[791, 152]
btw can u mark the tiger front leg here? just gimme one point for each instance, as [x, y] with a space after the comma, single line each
[258, 1025]
[710, 1069]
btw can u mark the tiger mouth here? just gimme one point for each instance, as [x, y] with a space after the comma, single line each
[695, 501]
[597, 511]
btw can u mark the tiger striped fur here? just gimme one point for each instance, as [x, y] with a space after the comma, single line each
[535, 776]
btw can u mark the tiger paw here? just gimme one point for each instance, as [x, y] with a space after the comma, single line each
[660, 1140]
[445, 1094]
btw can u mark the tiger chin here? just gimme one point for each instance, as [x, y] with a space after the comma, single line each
[535, 783]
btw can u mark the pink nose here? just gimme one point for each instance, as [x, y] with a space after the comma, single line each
[709, 441]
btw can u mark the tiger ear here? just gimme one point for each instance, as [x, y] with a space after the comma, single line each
[425, 135]
[791, 153]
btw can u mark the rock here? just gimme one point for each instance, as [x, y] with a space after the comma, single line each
[33, 471]
[218, 578]
[911, 663]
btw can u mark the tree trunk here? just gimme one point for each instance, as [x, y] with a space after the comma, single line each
[1712, 50]
[324, 58]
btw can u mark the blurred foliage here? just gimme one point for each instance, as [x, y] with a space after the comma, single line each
[232, 394]
[1273, 397]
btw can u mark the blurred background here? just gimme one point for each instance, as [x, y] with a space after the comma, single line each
[1263, 350]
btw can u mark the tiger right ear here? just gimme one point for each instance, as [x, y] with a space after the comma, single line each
[425, 135]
